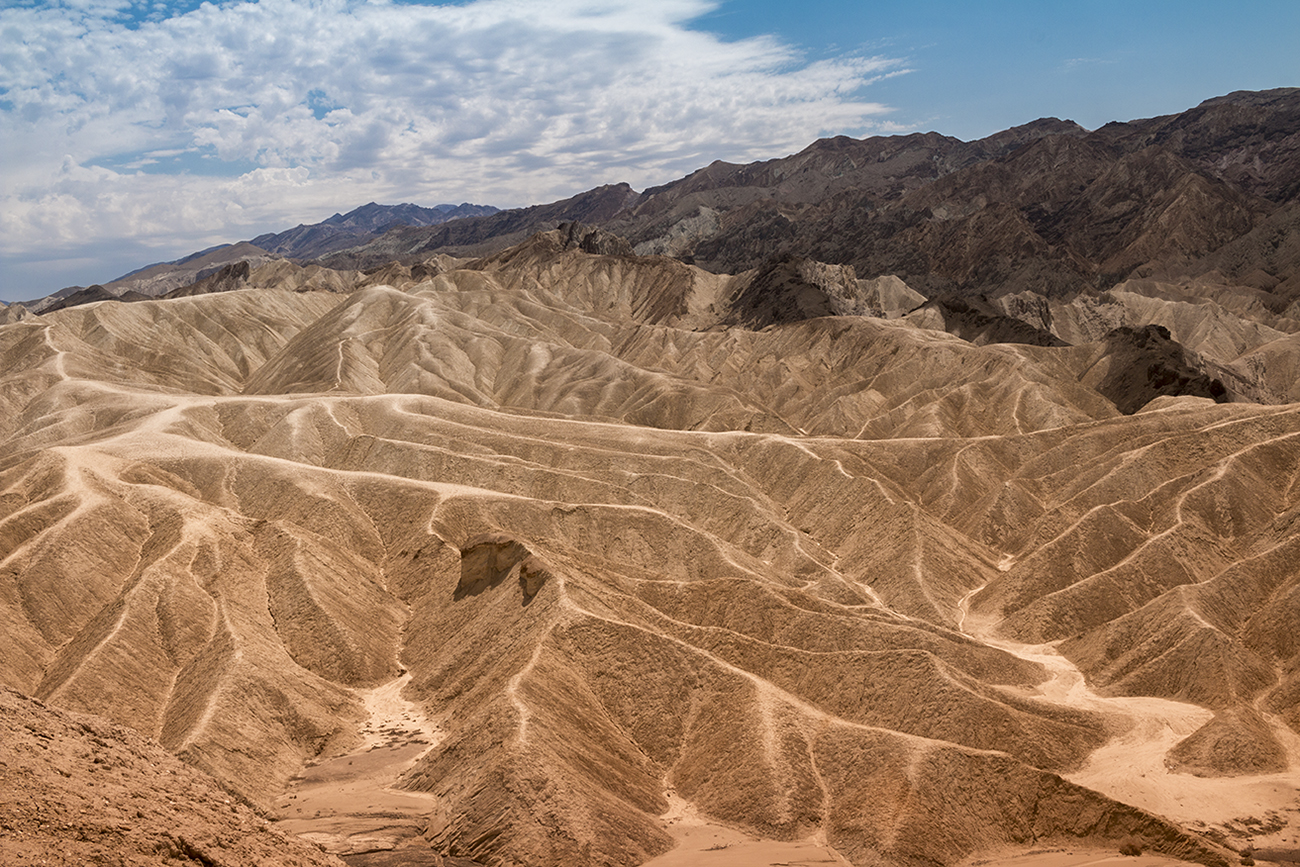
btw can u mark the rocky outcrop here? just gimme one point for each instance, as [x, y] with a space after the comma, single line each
[228, 279]
[791, 290]
[1139, 365]
[157, 280]
[980, 322]
[577, 236]
[13, 312]
[92, 295]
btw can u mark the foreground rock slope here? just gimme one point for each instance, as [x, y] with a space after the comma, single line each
[625, 533]
[80, 790]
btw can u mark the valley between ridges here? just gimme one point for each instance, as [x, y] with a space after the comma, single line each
[347, 803]
[1131, 766]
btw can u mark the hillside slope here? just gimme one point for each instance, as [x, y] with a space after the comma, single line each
[627, 534]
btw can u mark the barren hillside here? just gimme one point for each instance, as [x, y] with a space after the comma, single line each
[526, 558]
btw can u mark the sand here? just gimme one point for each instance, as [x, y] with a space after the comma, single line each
[347, 804]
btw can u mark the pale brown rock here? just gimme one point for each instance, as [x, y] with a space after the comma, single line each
[531, 556]
[77, 789]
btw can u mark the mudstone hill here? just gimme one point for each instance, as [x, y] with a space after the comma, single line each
[904, 501]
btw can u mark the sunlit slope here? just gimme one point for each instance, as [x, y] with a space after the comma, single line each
[581, 343]
[626, 553]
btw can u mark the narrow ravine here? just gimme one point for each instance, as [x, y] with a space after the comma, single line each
[346, 803]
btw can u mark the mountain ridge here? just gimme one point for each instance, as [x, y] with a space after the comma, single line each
[317, 239]
[844, 201]
[869, 192]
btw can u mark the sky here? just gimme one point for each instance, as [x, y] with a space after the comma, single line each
[138, 132]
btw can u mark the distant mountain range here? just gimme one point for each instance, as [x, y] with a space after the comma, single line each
[339, 232]
[359, 226]
[1047, 207]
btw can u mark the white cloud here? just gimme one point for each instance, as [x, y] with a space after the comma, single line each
[111, 115]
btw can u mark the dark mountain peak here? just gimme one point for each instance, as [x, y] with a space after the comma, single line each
[92, 295]
[486, 234]
[881, 143]
[597, 205]
[1273, 96]
[360, 225]
[375, 217]
[930, 138]
[835, 142]
[1018, 136]
[1064, 146]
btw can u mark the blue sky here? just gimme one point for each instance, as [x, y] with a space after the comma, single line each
[981, 66]
[134, 132]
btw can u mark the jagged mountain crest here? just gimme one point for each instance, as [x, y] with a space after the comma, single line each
[359, 226]
[883, 204]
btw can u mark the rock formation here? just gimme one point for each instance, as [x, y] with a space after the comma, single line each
[535, 554]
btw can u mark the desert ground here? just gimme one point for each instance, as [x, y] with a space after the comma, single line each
[542, 561]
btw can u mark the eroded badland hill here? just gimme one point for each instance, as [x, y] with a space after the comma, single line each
[565, 555]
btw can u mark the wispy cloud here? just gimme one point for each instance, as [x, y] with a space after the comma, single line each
[1072, 63]
[122, 119]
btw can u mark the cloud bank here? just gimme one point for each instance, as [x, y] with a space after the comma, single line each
[169, 127]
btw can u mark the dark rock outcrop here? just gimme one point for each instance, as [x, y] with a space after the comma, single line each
[1145, 363]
